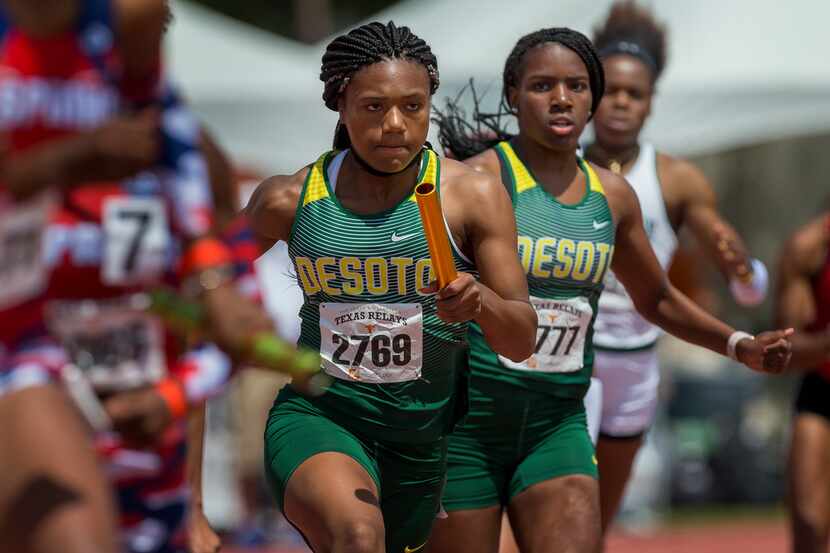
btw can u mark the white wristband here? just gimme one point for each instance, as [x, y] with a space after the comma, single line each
[752, 292]
[732, 343]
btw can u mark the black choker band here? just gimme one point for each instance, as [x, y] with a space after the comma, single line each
[372, 171]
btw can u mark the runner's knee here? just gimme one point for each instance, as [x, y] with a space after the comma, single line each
[359, 536]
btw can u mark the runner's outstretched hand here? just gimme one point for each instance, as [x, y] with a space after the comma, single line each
[768, 352]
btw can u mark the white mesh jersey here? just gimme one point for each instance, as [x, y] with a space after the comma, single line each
[618, 325]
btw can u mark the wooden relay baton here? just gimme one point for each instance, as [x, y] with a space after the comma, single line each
[435, 229]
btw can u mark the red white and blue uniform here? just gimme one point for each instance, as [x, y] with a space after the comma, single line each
[105, 243]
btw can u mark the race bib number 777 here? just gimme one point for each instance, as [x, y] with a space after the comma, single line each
[560, 336]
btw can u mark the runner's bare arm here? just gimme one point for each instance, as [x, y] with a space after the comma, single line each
[118, 149]
[220, 171]
[200, 536]
[801, 258]
[657, 300]
[272, 207]
[489, 235]
[140, 26]
[697, 209]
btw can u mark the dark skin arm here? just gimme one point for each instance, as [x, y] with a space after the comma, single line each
[118, 149]
[488, 236]
[225, 202]
[661, 303]
[801, 258]
[691, 202]
[200, 536]
[272, 207]
[140, 27]
[139, 416]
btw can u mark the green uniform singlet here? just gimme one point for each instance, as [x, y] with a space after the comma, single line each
[527, 421]
[396, 367]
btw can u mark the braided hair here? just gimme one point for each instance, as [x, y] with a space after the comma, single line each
[462, 139]
[632, 29]
[364, 46]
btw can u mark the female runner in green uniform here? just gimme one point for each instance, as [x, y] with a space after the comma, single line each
[524, 445]
[363, 465]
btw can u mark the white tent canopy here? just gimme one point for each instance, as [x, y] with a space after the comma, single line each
[259, 93]
[740, 71]
[218, 57]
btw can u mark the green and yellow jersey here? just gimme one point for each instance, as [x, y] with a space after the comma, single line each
[394, 362]
[565, 251]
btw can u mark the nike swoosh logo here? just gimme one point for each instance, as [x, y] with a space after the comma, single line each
[600, 226]
[407, 549]
[396, 238]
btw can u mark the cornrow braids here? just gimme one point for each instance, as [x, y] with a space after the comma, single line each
[463, 139]
[632, 29]
[363, 46]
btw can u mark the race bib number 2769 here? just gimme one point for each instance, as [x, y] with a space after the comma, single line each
[372, 342]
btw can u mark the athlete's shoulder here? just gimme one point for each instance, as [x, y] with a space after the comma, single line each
[612, 183]
[807, 246]
[273, 203]
[465, 180]
[621, 197]
[487, 161]
[678, 167]
[681, 176]
[280, 190]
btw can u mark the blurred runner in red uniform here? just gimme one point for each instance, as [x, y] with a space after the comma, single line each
[803, 301]
[133, 200]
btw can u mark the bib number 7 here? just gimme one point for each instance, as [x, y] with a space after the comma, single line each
[137, 240]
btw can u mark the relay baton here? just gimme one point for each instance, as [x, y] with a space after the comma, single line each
[264, 349]
[432, 218]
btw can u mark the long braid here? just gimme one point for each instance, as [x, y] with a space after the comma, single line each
[365, 45]
[463, 139]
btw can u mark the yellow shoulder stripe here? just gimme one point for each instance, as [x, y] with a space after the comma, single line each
[316, 188]
[524, 180]
[593, 179]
